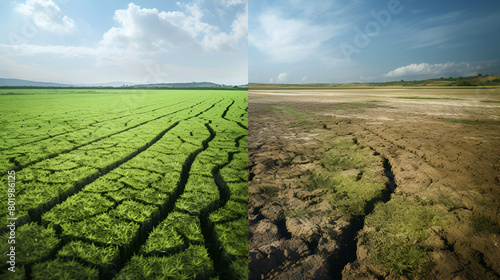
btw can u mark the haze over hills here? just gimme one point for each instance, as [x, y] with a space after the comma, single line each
[26, 83]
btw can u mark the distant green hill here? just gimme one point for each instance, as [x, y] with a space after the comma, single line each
[17, 83]
[493, 80]
[178, 85]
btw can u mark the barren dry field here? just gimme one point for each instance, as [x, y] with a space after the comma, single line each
[393, 183]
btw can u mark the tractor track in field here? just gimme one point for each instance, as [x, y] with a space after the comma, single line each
[21, 167]
[84, 128]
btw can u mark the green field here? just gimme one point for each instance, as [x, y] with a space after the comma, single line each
[125, 184]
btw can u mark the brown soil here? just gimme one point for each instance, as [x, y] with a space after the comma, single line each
[295, 233]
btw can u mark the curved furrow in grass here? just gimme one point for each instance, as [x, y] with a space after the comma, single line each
[227, 109]
[73, 250]
[84, 159]
[225, 226]
[53, 155]
[241, 125]
[122, 252]
[237, 140]
[67, 121]
[227, 265]
[86, 128]
[237, 122]
[202, 112]
[35, 214]
[168, 207]
[215, 248]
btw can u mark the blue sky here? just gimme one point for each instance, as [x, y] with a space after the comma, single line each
[87, 42]
[302, 41]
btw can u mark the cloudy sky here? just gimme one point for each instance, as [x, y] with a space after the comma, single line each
[301, 41]
[85, 42]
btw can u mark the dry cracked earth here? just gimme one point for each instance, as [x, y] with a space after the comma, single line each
[440, 150]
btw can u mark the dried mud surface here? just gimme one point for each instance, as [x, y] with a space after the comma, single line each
[433, 154]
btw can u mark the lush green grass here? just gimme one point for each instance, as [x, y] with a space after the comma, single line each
[176, 231]
[77, 208]
[192, 263]
[233, 236]
[198, 198]
[105, 257]
[33, 243]
[103, 167]
[231, 211]
[60, 269]
[398, 231]
[103, 228]
[134, 211]
[19, 273]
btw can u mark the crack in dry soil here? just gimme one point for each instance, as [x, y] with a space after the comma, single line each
[351, 248]
[294, 232]
[438, 165]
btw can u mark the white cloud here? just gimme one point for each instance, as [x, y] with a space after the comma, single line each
[145, 30]
[148, 30]
[46, 15]
[441, 69]
[229, 42]
[188, 47]
[281, 78]
[289, 40]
